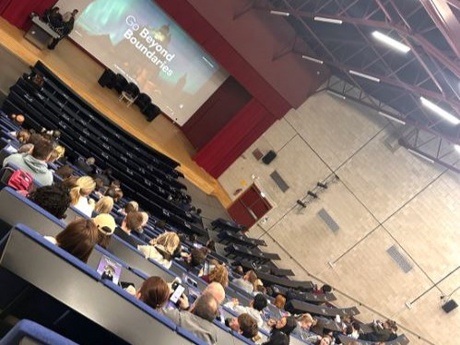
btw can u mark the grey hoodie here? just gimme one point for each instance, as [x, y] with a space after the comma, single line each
[37, 168]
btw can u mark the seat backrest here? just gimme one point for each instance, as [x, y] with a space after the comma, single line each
[33, 333]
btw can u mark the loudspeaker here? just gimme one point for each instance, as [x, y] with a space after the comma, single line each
[267, 159]
[151, 112]
[449, 306]
[107, 78]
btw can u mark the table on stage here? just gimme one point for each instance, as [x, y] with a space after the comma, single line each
[40, 34]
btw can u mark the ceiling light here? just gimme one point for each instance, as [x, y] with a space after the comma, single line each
[422, 156]
[391, 42]
[392, 118]
[279, 13]
[457, 148]
[439, 111]
[363, 75]
[328, 20]
[333, 93]
[309, 58]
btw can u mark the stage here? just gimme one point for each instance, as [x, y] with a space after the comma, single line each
[81, 72]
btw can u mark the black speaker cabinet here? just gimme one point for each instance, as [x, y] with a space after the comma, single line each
[267, 159]
[449, 306]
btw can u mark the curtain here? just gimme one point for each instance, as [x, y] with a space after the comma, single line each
[248, 125]
[17, 11]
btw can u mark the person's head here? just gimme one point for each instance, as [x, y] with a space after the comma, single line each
[239, 270]
[18, 119]
[197, 256]
[55, 9]
[259, 302]
[84, 186]
[79, 238]
[280, 302]
[106, 226]
[244, 324]
[42, 149]
[145, 218]
[131, 206]
[23, 136]
[211, 245]
[74, 12]
[169, 241]
[216, 290]
[133, 221]
[118, 195]
[286, 324]
[26, 148]
[57, 153]
[325, 340]
[55, 199]
[154, 292]
[250, 276]
[90, 160]
[104, 205]
[219, 274]
[65, 171]
[205, 307]
[326, 288]
[306, 321]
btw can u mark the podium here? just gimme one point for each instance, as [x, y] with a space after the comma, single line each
[40, 34]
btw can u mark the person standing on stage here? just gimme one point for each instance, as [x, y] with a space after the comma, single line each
[68, 21]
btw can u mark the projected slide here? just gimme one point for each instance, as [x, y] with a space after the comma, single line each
[137, 39]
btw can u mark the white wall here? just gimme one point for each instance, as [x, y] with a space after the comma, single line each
[384, 197]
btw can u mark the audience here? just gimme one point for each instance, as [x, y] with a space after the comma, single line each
[106, 227]
[218, 274]
[199, 319]
[34, 163]
[255, 308]
[281, 329]
[64, 172]
[55, 199]
[78, 238]
[132, 221]
[162, 248]
[244, 324]
[80, 195]
[194, 261]
[154, 292]
[246, 283]
[104, 205]
[302, 330]
[87, 166]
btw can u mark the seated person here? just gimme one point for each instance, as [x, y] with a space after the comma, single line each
[246, 283]
[302, 330]
[57, 153]
[106, 227]
[65, 171]
[139, 232]
[129, 207]
[78, 238]
[161, 249]
[244, 324]
[80, 195]
[86, 166]
[18, 119]
[35, 163]
[194, 261]
[218, 273]
[132, 221]
[154, 292]
[105, 176]
[281, 329]
[23, 136]
[255, 308]
[382, 331]
[55, 199]
[199, 319]
[104, 205]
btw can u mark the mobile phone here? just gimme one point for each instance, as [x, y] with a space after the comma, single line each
[178, 291]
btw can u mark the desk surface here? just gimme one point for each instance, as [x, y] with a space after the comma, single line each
[45, 27]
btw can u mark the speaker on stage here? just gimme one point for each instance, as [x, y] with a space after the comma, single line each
[107, 78]
[151, 112]
[449, 306]
[267, 159]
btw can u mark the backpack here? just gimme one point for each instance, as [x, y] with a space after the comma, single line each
[21, 180]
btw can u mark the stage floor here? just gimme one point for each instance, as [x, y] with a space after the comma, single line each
[81, 72]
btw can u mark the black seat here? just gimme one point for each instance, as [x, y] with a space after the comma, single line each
[132, 90]
[142, 101]
[120, 83]
[151, 112]
[107, 78]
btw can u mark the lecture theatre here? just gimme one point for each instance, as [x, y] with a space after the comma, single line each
[230, 172]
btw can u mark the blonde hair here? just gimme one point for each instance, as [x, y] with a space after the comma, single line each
[219, 274]
[57, 153]
[104, 205]
[279, 302]
[307, 318]
[169, 240]
[85, 185]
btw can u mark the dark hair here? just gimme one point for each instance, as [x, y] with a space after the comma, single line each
[103, 237]
[278, 338]
[42, 149]
[326, 288]
[134, 220]
[198, 256]
[55, 199]
[65, 171]
[260, 302]
[154, 292]
[291, 324]
[78, 238]
[248, 326]
[206, 307]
